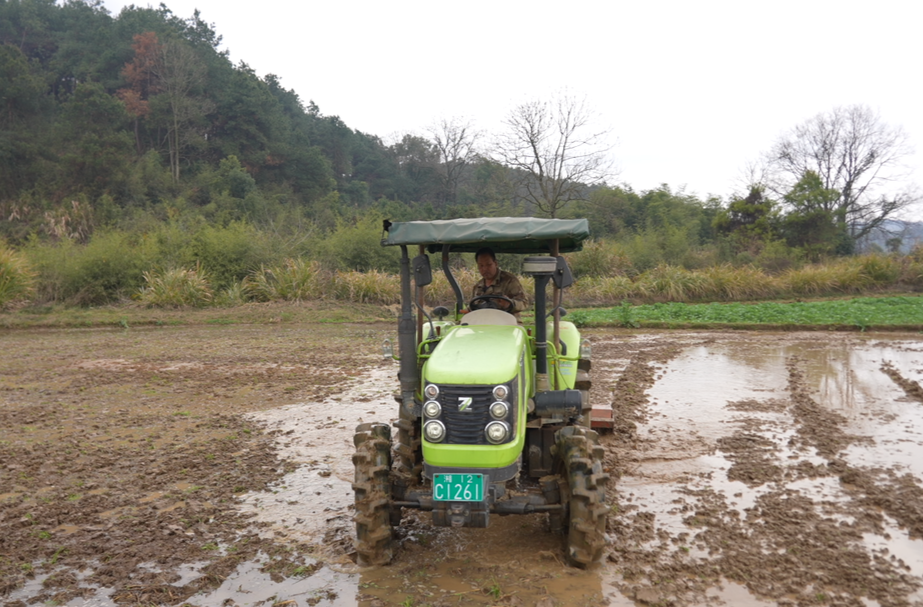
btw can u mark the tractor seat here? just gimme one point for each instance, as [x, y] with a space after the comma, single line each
[488, 316]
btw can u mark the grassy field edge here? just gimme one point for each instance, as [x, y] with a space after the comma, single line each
[132, 315]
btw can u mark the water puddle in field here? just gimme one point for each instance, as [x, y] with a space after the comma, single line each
[318, 438]
[727, 388]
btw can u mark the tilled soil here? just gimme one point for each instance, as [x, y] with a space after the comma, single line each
[786, 547]
[123, 453]
[125, 457]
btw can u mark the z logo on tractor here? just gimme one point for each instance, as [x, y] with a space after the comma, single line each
[464, 403]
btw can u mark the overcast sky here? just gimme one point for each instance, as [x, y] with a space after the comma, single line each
[691, 91]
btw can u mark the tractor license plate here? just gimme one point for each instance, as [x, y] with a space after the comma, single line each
[458, 487]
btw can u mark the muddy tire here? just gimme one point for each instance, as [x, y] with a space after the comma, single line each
[408, 464]
[584, 493]
[372, 488]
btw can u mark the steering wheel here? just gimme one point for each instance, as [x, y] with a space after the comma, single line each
[482, 302]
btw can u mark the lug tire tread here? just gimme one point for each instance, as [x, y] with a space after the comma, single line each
[580, 459]
[372, 488]
[408, 465]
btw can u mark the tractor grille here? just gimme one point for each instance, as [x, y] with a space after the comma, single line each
[467, 427]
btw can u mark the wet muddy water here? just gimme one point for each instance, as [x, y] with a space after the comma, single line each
[690, 408]
[726, 386]
[751, 469]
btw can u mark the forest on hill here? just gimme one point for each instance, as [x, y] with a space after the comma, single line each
[130, 143]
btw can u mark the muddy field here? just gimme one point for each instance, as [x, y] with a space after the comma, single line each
[210, 465]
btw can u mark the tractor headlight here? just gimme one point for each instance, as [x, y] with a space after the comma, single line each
[431, 391]
[432, 409]
[501, 392]
[499, 410]
[434, 431]
[497, 432]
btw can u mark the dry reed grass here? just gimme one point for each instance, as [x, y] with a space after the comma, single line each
[176, 288]
[300, 280]
[367, 287]
[292, 280]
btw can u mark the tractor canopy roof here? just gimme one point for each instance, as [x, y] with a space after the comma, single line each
[502, 234]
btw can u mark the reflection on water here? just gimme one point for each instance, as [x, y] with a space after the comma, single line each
[843, 375]
[690, 412]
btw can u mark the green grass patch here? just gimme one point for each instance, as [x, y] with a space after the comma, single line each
[861, 313]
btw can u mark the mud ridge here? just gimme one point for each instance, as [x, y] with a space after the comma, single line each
[817, 427]
[911, 388]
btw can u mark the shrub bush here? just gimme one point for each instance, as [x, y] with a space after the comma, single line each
[232, 295]
[599, 291]
[776, 256]
[880, 270]
[600, 258]
[355, 246]
[671, 283]
[727, 283]
[644, 251]
[810, 280]
[291, 280]
[108, 268]
[17, 281]
[229, 254]
[368, 287]
[176, 288]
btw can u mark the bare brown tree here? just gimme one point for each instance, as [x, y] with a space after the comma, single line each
[456, 141]
[854, 153]
[555, 151]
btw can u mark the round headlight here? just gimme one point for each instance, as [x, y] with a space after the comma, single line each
[431, 391]
[499, 410]
[497, 432]
[432, 409]
[434, 431]
[501, 392]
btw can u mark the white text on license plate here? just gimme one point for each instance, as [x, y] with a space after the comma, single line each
[458, 487]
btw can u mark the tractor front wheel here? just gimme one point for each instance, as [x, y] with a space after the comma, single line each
[372, 488]
[580, 460]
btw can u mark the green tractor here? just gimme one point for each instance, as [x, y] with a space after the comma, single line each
[485, 400]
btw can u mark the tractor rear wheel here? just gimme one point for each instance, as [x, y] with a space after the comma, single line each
[580, 460]
[372, 488]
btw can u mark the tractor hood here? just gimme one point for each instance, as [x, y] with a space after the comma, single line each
[477, 354]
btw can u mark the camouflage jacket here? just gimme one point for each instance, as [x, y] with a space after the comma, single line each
[506, 284]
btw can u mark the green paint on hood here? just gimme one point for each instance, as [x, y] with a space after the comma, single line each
[478, 354]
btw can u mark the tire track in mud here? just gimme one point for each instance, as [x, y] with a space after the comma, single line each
[789, 545]
[911, 388]
[899, 496]
[785, 546]
[650, 567]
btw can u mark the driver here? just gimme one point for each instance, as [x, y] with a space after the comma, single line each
[495, 281]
